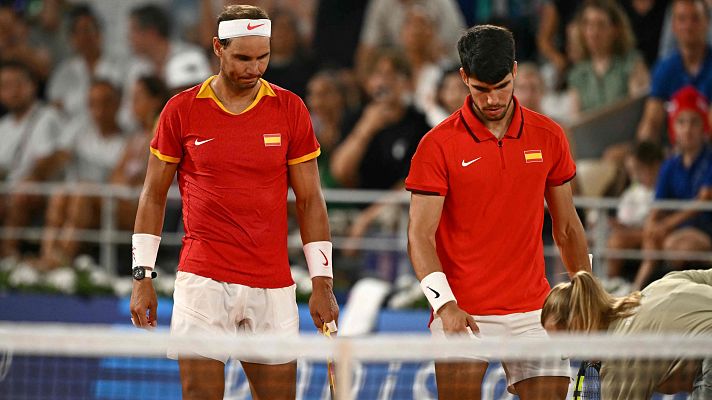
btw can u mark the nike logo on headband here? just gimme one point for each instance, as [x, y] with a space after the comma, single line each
[250, 27]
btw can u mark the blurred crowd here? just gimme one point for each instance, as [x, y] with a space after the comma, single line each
[82, 84]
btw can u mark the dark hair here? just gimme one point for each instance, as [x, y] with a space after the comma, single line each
[395, 57]
[240, 11]
[154, 17]
[487, 52]
[155, 87]
[648, 153]
[81, 10]
[107, 83]
[20, 66]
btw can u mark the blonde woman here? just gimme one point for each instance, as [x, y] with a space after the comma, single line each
[680, 302]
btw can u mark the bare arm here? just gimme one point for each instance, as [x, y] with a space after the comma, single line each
[673, 220]
[314, 227]
[425, 211]
[639, 80]
[546, 35]
[652, 121]
[149, 219]
[568, 232]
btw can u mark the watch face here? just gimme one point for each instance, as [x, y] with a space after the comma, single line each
[139, 273]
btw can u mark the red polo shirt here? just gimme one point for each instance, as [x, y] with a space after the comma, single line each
[232, 174]
[489, 237]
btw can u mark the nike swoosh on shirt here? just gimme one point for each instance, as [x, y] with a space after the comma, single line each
[326, 261]
[250, 27]
[199, 142]
[434, 291]
[465, 164]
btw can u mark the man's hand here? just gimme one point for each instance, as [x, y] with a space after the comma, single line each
[322, 303]
[143, 298]
[455, 320]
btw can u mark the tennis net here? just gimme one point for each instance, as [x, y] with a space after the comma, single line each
[55, 361]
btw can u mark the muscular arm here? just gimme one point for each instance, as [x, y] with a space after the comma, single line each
[152, 203]
[424, 218]
[425, 211]
[652, 121]
[568, 232]
[311, 208]
[314, 227]
[149, 219]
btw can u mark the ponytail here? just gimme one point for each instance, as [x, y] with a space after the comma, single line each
[583, 305]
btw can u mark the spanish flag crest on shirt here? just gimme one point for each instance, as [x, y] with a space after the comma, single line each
[531, 156]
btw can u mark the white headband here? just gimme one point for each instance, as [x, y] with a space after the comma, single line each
[244, 27]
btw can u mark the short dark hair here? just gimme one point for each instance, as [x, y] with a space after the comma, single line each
[648, 153]
[81, 10]
[487, 52]
[155, 87]
[395, 57]
[105, 82]
[151, 16]
[20, 66]
[240, 11]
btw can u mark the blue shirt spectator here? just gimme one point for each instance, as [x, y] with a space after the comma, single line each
[670, 75]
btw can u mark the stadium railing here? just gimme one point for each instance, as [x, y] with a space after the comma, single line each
[108, 237]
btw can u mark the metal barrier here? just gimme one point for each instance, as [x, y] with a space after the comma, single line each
[108, 237]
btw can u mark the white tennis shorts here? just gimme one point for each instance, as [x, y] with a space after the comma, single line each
[526, 324]
[203, 307]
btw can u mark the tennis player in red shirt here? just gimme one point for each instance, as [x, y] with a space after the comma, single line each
[236, 142]
[478, 183]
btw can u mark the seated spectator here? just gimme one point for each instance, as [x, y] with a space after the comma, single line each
[685, 176]
[326, 98]
[69, 83]
[376, 152]
[150, 37]
[384, 19]
[691, 64]
[449, 97]
[93, 145]
[421, 49]
[532, 93]
[612, 69]
[149, 96]
[290, 63]
[627, 227]
[16, 44]
[30, 133]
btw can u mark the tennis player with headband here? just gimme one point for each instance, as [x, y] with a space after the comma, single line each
[236, 142]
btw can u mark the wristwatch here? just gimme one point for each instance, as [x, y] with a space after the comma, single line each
[140, 272]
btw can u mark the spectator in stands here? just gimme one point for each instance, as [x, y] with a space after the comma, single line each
[30, 135]
[532, 93]
[15, 44]
[290, 62]
[679, 303]
[93, 145]
[552, 37]
[690, 64]
[326, 100]
[612, 69]
[149, 96]
[418, 40]
[384, 19]
[150, 37]
[69, 83]
[646, 19]
[685, 176]
[627, 227]
[450, 94]
[376, 152]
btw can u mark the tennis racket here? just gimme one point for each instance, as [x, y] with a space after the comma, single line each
[330, 365]
[588, 385]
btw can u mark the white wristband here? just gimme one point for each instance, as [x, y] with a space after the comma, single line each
[318, 255]
[144, 249]
[437, 290]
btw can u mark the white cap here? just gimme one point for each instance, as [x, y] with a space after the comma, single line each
[187, 69]
[244, 27]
